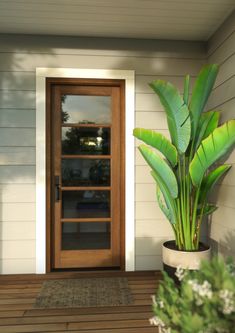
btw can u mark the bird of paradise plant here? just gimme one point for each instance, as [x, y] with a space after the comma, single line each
[189, 167]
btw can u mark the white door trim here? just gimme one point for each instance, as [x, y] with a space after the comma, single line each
[41, 75]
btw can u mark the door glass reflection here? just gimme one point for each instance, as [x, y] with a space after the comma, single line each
[85, 172]
[86, 236]
[85, 141]
[85, 204]
[81, 109]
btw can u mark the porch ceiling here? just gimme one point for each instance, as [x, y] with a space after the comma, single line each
[160, 19]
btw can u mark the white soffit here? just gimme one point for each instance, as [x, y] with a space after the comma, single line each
[160, 19]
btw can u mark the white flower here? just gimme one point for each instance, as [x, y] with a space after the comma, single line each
[154, 300]
[161, 304]
[180, 273]
[202, 291]
[158, 303]
[227, 297]
[156, 321]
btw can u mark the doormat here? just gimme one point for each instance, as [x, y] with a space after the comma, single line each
[92, 292]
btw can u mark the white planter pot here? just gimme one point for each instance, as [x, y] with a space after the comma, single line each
[172, 258]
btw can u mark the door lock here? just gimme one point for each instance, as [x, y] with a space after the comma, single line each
[57, 188]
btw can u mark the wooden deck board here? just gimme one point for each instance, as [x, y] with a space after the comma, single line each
[18, 293]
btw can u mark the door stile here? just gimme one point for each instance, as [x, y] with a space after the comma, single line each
[115, 176]
[57, 172]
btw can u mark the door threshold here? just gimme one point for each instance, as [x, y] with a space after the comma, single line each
[81, 270]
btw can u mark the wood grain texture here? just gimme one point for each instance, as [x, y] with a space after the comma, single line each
[18, 293]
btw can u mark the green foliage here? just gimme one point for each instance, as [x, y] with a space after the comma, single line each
[204, 302]
[177, 113]
[215, 146]
[188, 173]
[164, 174]
[158, 141]
[200, 94]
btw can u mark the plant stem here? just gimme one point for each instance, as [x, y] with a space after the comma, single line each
[199, 225]
[194, 218]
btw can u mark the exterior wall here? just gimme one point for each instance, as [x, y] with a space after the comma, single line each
[19, 57]
[221, 50]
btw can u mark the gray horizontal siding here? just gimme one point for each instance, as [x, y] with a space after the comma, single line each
[222, 50]
[19, 58]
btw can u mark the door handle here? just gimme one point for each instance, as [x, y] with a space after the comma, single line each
[57, 188]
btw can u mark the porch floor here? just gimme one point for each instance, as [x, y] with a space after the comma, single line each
[18, 293]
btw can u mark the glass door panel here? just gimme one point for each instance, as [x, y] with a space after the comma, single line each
[85, 172]
[87, 176]
[80, 109]
[85, 140]
[86, 236]
[85, 204]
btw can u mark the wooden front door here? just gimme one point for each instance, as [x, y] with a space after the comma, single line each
[85, 173]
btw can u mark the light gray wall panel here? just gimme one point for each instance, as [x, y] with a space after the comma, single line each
[224, 194]
[220, 54]
[223, 33]
[17, 174]
[150, 227]
[151, 120]
[226, 90]
[222, 50]
[17, 266]
[225, 72]
[146, 263]
[19, 57]
[17, 155]
[223, 216]
[17, 81]
[17, 249]
[17, 137]
[142, 82]
[17, 231]
[145, 192]
[101, 46]
[14, 99]
[146, 66]
[17, 212]
[17, 118]
[149, 245]
[17, 193]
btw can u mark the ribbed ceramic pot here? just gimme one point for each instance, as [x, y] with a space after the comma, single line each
[172, 258]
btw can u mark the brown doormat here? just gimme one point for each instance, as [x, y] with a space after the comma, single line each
[71, 293]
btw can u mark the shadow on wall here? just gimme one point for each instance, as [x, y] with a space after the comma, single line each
[17, 152]
[224, 244]
[149, 252]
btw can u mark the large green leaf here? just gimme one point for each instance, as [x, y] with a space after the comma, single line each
[186, 89]
[207, 209]
[162, 204]
[161, 168]
[177, 113]
[158, 141]
[215, 146]
[201, 91]
[167, 207]
[211, 179]
[208, 122]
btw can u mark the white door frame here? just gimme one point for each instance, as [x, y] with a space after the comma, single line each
[129, 77]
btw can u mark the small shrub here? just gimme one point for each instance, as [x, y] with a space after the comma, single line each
[203, 303]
